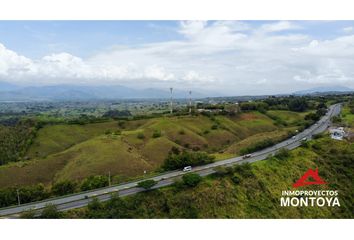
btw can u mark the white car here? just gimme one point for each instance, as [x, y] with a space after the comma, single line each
[187, 169]
[247, 156]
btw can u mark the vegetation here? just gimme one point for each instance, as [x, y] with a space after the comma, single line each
[15, 140]
[147, 184]
[94, 182]
[116, 114]
[8, 196]
[186, 158]
[191, 179]
[245, 191]
[50, 212]
[257, 146]
[64, 188]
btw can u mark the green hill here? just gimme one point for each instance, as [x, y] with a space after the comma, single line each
[128, 148]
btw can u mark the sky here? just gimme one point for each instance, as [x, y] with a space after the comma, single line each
[224, 57]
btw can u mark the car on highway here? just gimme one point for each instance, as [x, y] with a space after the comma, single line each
[247, 156]
[293, 137]
[304, 139]
[187, 169]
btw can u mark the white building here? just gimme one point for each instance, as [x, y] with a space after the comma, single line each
[337, 133]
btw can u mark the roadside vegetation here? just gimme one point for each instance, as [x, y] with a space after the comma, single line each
[243, 191]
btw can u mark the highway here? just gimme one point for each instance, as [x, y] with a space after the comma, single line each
[82, 199]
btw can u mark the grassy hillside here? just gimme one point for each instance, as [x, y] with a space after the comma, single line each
[128, 148]
[255, 194]
[56, 138]
[347, 116]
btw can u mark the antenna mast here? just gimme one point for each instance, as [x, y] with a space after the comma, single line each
[171, 104]
[190, 102]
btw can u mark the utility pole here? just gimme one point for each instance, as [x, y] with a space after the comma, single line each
[190, 102]
[109, 178]
[171, 104]
[18, 197]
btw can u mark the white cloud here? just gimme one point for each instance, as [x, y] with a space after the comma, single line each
[278, 26]
[159, 73]
[348, 29]
[226, 56]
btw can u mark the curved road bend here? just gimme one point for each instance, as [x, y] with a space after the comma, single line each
[81, 199]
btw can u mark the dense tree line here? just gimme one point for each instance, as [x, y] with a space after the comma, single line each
[115, 114]
[177, 159]
[27, 194]
[15, 140]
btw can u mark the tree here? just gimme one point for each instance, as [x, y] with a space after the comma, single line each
[186, 158]
[50, 211]
[63, 188]
[191, 179]
[116, 114]
[147, 184]
[298, 105]
[94, 182]
[96, 209]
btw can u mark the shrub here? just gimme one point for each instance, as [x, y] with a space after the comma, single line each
[282, 154]
[191, 179]
[117, 132]
[305, 144]
[50, 211]
[175, 150]
[181, 132]
[244, 170]
[121, 124]
[63, 188]
[141, 135]
[317, 136]
[236, 179]
[94, 182]
[214, 127]
[223, 171]
[29, 214]
[156, 134]
[147, 184]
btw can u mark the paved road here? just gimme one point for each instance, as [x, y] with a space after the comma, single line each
[82, 199]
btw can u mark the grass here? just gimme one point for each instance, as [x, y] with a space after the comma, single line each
[291, 118]
[73, 152]
[55, 138]
[256, 195]
[347, 116]
[275, 135]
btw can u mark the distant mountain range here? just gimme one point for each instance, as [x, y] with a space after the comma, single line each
[330, 89]
[10, 92]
